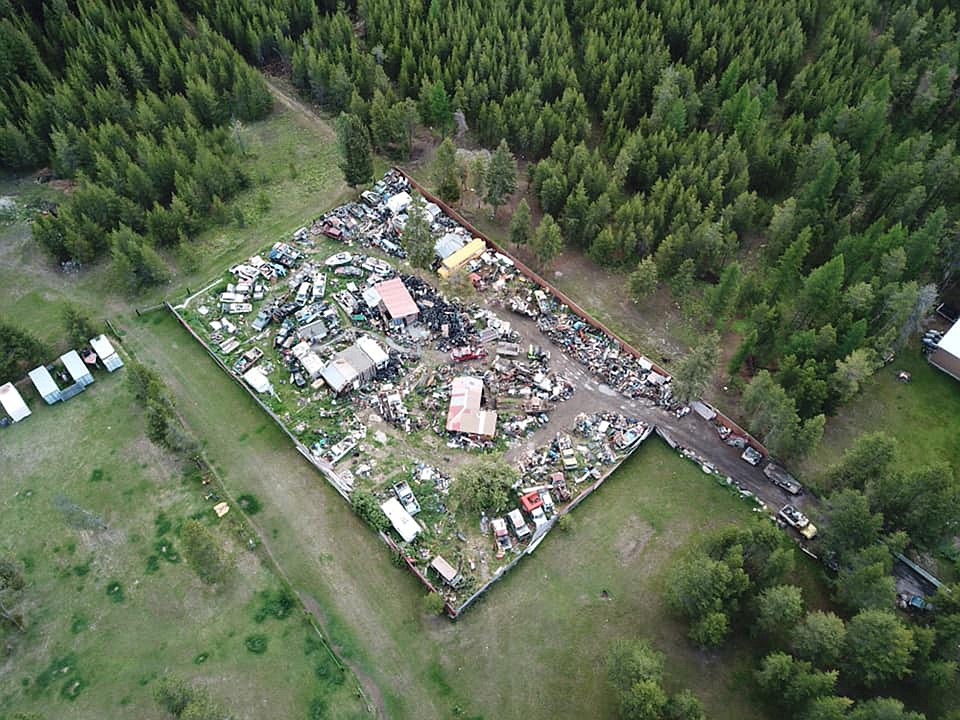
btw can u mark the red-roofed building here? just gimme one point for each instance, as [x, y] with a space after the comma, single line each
[465, 415]
[396, 302]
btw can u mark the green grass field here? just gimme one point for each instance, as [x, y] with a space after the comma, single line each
[921, 414]
[89, 505]
[535, 645]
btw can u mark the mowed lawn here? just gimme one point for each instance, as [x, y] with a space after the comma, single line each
[81, 494]
[923, 415]
[535, 645]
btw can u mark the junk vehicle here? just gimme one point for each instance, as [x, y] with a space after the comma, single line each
[319, 286]
[548, 506]
[520, 527]
[535, 352]
[247, 360]
[781, 478]
[501, 535]
[406, 497]
[568, 458]
[237, 308]
[341, 258]
[798, 521]
[751, 456]
[261, 320]
[303, 293]
[463, 354]
[508, 349]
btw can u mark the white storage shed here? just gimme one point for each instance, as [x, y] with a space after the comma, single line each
[77, 368]
[13, 404]
[104, 350]
[44, 383]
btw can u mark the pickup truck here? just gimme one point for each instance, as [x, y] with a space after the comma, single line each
[798, 521]
[781, 478]
[751, 456]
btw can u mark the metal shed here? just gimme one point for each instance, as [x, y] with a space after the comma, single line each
[104, 350]
[12, 403]
[44, 383]
[372, 350]
[77, 369]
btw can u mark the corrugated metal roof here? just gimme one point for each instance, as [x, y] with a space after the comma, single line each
[373, 350]
[338, 374]
[396, 299]
[448, 245]
[465, 415]
[74, 365]
[44, 383]
[104, 350]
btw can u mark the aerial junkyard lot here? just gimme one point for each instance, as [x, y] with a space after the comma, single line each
[388, 381]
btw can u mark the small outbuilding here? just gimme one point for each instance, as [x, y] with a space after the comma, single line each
[465, 415]
[447, 572]
[396, 302]
[448, 244]
[371, 348]
[104, 350]
[13, 403]
[77, 369]
[946, 356]
[45, 384]
[402, 521]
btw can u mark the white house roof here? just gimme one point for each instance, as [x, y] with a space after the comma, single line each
[402, 521]
[950, 342]
[43, 382]
[373, 350]
[75, 366]
[12, 403]
[255, 378]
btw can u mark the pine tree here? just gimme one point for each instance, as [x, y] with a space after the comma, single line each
[693, 374]
[356, 160]
[520, 224]
[501, 176]
[416, 235]
[446, 172]
[547, 241]
[643, 280]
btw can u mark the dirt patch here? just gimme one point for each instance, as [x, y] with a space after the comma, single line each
[632, 538]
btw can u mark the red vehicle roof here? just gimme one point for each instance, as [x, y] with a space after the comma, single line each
[531, 501]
